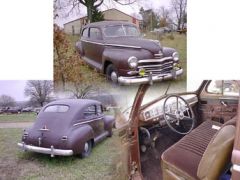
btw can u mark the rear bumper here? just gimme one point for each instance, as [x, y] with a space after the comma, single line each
[51, 151]
[134, 80]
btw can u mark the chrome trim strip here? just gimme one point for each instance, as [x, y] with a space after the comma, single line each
[138, 80]
[121, 45]
[80, 123]
[158, 54]
[155, 60]
[51, 151]
[93, 42]
[158, 70]
[42, 129]
[117, 45]
[158, 65]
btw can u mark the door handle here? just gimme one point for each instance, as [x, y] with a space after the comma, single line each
[224, 103]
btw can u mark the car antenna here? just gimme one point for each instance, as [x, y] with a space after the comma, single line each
[169, 84]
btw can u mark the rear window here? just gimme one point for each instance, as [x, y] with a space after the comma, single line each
[57, 108]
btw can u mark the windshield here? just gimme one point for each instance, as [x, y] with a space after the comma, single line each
[120, 30]
[154, 92]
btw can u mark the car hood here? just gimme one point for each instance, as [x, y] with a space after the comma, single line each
[152, 45]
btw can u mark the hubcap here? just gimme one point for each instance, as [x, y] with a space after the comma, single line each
[114, 77]
[86, 147]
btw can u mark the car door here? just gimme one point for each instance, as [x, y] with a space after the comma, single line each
[97, 45]
[94, 119]
[218, 101]
[236, 150]
[93, 46]
[84, 42]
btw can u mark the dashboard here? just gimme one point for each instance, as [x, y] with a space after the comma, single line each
[154, 112]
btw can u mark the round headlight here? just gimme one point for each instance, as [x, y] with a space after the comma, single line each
[175, 56]
[132, 62]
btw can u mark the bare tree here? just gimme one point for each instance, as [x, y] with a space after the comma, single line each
[7, 101]
[164, 16]
[179, 8]
[81, 91]
[39, 91]
[68, 6]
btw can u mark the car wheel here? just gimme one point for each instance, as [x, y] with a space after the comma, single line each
[110, 133]
[87, 149]
[112, 74]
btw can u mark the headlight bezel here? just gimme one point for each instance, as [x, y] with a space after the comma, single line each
[132, 62]
[175, 56]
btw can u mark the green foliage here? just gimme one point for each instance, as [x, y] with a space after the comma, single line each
[97, 15]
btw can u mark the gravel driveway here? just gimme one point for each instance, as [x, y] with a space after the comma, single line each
[15, 125]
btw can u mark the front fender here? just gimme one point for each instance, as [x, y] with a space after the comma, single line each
[119, 56]
[167, 51]
[78, 136]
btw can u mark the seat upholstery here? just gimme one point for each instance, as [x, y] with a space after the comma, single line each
[182, 160]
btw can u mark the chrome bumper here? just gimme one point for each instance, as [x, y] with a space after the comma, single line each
[133, 80]
[51, 151]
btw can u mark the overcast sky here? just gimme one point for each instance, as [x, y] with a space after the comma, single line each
[129, 9]
[14, 89]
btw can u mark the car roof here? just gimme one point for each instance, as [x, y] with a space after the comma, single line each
[77, 107]
[106, 23]
[78, 103]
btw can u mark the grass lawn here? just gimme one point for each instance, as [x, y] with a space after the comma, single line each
[103, 163]
[23, 117]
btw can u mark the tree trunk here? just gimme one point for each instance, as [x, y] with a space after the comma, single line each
[89, 10]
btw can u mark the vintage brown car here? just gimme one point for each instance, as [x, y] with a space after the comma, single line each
[68, 127]
[194, 135]
[116, 49]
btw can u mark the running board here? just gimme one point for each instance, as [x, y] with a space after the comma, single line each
[101, 137]
[92, 63]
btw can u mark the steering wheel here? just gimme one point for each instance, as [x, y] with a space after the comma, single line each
[176, 110]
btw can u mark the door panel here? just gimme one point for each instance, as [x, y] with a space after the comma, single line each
[236, 151]
[217, 106]
[98, 126]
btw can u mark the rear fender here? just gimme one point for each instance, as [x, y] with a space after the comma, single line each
[108, 123]
[78, 137]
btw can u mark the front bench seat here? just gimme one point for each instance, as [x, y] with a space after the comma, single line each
[201, 154]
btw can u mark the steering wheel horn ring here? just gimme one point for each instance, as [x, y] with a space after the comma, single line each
[178, 115]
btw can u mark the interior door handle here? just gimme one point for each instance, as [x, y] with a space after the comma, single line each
[223, 103]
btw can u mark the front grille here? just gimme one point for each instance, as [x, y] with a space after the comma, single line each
[156, 66]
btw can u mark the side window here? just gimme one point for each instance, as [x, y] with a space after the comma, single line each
[225, 88]
[85, 32]
[90, 111]
[95, 34]
[99, 109]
